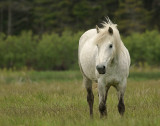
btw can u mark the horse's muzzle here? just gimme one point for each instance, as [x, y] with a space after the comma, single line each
[101, 69]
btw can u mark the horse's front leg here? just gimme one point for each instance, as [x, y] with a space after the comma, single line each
[90, 97]
[120, 91]
[103, 91]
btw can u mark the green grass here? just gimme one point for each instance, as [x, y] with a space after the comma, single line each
[59, 99]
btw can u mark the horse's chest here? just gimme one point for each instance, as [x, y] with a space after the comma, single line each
[113, 76]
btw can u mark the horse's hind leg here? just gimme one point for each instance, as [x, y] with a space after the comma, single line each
[90, 97]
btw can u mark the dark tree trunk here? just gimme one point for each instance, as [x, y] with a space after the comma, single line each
[9, 18]
[1, 21]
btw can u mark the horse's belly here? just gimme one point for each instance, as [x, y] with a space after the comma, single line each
[88, 61]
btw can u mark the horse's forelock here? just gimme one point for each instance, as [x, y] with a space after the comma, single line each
[104, 33]
[108, 29]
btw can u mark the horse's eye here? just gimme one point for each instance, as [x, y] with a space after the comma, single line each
[110, 46]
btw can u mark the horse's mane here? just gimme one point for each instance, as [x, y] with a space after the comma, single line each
[104, 32]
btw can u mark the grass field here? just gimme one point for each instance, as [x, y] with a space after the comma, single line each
[30, 98]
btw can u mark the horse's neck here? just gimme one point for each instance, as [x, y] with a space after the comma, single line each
[119, 49]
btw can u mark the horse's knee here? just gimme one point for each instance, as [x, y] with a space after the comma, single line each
[87, 83]
[121, 107]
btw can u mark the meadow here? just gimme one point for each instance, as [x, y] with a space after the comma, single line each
[35, 98]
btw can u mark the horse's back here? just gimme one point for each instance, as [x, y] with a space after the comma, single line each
[85, 37]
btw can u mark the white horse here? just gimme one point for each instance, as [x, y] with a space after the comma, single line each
[103, 58]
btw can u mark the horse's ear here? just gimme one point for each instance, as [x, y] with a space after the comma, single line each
[110, 30]
[97, 28]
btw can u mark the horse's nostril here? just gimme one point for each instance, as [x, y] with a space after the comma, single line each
[103, 67]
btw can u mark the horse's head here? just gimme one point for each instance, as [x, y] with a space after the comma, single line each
[106, 43]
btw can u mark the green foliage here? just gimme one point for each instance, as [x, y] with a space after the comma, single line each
[59, 52]
[144, 48]
[51, 52]
[131, 16]
[43, 16]
[17, 51]
[155, 14]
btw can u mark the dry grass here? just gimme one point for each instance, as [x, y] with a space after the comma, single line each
[60, 103]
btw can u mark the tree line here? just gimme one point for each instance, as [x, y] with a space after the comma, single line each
[60, 52]
[41, 16]
[44, 34]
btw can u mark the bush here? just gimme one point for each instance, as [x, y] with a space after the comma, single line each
[56, 52]
[144, 48]
[17, 51]
[60, 52]
[51, 52]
